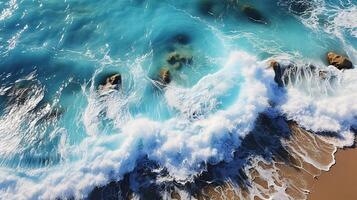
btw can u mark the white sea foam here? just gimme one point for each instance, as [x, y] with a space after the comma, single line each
[182, 144]
[7, 12]
[324, 104]
[346, 19]
[179, 144]
[327, 105]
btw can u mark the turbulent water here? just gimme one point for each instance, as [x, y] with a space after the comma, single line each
[62, 135]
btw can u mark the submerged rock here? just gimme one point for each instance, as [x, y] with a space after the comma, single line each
[254, 14]
[300, 7]
[182, 39]
[212, 8]
[111, 82]
[165, 76]
[340, 62]
[177, 60]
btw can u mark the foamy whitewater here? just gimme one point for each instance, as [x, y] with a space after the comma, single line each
[61, 136]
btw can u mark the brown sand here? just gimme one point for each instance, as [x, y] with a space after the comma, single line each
[341, 181]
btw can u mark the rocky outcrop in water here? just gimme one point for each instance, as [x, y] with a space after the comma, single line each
[339, 61]
[175, 54]
[291, 73]
[165, 76]
[180, 53]
[220, 8]
[111, 82]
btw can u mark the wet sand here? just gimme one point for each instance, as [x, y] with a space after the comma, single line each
[341, 181]
[289, 171]
[303, 179]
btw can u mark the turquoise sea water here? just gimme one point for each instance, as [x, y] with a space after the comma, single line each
[60, 136]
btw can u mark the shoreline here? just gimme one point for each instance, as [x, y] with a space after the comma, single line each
[288, 170]
[340, 181]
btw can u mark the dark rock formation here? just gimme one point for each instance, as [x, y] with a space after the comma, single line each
[300, 7]
[292, 73]
[254, 15]
[177, 60]
[182, 39]
[340, 62]
[212, 8]
[278, 72]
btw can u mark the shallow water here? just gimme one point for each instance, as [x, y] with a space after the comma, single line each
[60, 135]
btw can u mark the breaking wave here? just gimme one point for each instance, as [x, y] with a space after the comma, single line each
[62, 135]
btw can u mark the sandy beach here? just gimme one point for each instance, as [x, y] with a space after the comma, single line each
[340, 182]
